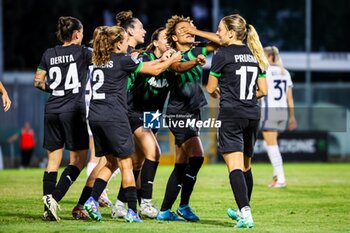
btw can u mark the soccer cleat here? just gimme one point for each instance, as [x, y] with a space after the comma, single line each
[79, 212]
[148, 210]
[234, 214]
[187, 213]
[246, 219]
[276, 184]
[103, 201]
[91, 206]
[132, 216]
[245, 223]
[47, 216]
[167, 215]
[118, 211]
[52, 206]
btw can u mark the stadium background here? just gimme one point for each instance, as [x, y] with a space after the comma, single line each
[312, 37]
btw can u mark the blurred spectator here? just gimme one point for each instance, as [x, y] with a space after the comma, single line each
[27, 143]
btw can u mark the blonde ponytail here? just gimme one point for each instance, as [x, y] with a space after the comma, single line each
[255, 46]
[247, 32]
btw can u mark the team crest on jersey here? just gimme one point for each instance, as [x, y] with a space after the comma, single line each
[151, 120]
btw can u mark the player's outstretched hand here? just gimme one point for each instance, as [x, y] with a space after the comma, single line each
[191, 29]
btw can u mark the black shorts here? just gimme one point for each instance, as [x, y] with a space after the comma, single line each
[112, 138]
[238, 135]
[182, 134]
[136, 121]
[65, 129]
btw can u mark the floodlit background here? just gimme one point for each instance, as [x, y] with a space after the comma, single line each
[311, 35]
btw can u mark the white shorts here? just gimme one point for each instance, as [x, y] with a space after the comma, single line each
[273, 125]
[274, 119]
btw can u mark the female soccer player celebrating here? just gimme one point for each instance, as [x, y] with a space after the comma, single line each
[145, 95]
[66, 68]
[111, 130]
[238, 69]
[148, 94]
[186, 98]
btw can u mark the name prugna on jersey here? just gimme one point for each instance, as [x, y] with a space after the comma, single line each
[245, 58]
[61, 59]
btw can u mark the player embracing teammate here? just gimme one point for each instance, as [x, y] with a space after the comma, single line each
[237, 77]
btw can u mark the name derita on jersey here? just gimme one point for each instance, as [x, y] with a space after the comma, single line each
[67, 68]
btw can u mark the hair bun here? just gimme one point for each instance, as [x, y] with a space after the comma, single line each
[62, 21]
[123, 18]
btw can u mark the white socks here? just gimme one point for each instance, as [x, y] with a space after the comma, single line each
[246, 213]
[277, 163]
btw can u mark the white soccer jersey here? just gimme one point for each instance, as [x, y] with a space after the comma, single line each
[274, 105]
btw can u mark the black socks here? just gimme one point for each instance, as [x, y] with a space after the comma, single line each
[239, 188]
[85, 194]
[68, 176]
[249, 181]
[148, 173]
[173, 186]
[98, 188]
[189, 179]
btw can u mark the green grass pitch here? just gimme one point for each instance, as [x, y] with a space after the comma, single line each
[317, 199]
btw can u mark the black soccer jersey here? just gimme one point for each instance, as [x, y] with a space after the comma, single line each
[109, 88]
[187, 95]
[67, 69]
[130, 49]
[237, 71]
[149, 92]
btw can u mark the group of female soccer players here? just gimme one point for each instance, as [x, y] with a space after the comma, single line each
[125, 83]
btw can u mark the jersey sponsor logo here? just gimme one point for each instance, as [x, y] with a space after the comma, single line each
[151, 120]
[158, 83]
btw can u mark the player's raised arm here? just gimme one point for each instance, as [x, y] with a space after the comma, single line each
[160, 65]
[214, 43]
